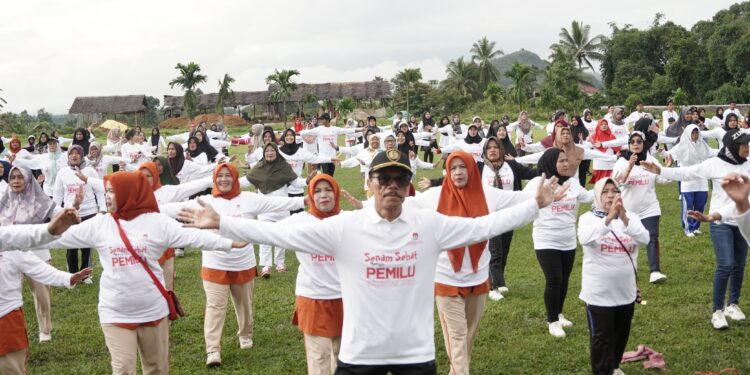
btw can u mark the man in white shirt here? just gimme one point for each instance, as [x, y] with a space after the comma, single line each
[635, 115]
[386, 256]
[327, 136]
[669, 113]
[397, 121]
[733, 109]
[610, 111]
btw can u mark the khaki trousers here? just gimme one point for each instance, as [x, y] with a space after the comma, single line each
[216, 311]
[151, 343]
[322, 354]
[168, 269]
[42, 304]
[459, 319]
[13, 363]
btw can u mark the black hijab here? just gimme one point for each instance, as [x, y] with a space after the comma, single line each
[475, 139]
[642, 126]
[176, 163]
[197, 151]
[730, 153]
[366, 143]
[155, 138]
[41, 147]
[404, 148]
[579, 133]
[626, 153]
[289, 149]
[205, 146]
[440, 125]
[427, 121]
[720, 115]
[6, 169]
[505, 142]
[84, 143]
[726, 121]
[2, 145]
[548, 164]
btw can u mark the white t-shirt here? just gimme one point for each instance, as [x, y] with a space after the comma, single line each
[66, 187]
[506, 176]
[555, 228]
[608, 276]
[475, 149]
[326, 136]
[666, 115]
[317, 276]
[126, 292]
[386, 280]
[639, 191]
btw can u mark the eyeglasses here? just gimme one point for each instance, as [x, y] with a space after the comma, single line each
[402, 180]
[636, 142]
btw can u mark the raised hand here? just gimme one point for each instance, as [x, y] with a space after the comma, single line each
[204, 218]
[63, 220]
[545, 191]
[651, 167]
[424, 183]
[561, 190]
[668, 161]
[80, 276]
[40, 179]
[737, 187]
[82, 176]
[79, 197]
[356, 203]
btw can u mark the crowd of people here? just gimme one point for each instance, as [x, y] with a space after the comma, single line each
[364, 301]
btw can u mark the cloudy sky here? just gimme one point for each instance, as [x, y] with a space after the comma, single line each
[52, 51]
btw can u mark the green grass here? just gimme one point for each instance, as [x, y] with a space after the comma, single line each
[512, 339]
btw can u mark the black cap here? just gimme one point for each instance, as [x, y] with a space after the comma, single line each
[52, 139]
[390, 158]
[736, 136]
[371, 118]
[325, 116]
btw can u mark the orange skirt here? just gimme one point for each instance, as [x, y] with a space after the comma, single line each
[13, 331]
[319, 317]
[444, 290]
[228, 277]
[598, 174]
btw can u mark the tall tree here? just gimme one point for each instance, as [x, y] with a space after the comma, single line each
[462, 77]
[522, 77]
[344, 107]
[225, 93]
[284, 86]
[407, 78]
[188, 79]
[577, 44]
[494, 94]
[482, 53]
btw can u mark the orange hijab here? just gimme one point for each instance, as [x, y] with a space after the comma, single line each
[336, 194]
[133, 195]
[466, 202]
[151, 167]
[235, 185]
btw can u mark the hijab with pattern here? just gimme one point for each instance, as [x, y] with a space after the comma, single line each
[31, 206]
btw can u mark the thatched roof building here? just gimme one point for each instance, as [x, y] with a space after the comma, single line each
[109, 104]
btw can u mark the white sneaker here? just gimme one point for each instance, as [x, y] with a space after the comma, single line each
[565, 322]
[495, 294]
[44, 337]
[213, 359]
[556, 329]
[690, 234]
[246, 342]
[618, 372]
[698, 232]
[718, 320]
[657, 277]
[503, 289]
[733, 312]
[88, 281]
[179, 252]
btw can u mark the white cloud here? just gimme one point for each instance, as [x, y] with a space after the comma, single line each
[54, 51]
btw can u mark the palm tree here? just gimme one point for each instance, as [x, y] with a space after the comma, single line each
[406, 78]
[225, 94]
[2, 101]
[462, 77]
[494, 93]
[344, 107]
[482, 53]
[284, 86]
[576, 44]
[522, 77]
[189, 78]
[308, 99]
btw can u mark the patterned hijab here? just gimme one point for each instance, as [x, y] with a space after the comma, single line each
[31, 206]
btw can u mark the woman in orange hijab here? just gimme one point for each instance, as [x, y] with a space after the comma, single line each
[462, 277]
[230, 274]
[318, 307]
[132, 310]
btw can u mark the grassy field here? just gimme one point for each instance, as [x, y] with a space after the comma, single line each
[512, 339]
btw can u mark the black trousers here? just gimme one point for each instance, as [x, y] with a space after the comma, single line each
[426, 368]
[499, 249]
[72, 255]
[609, 329]
[556, 265]
[327, 168]
[583, 170]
